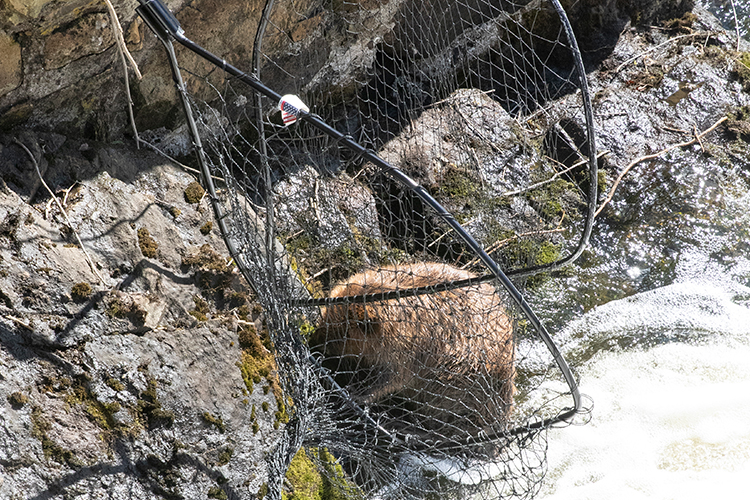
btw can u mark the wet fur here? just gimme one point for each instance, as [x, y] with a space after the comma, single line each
[441, 363]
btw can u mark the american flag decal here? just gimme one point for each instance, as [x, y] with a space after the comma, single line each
[291, 106]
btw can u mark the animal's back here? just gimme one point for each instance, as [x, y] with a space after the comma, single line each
[446, 357]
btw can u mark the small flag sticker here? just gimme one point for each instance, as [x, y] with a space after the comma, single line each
[291, 106]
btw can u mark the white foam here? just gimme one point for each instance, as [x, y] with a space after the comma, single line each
[671, 421]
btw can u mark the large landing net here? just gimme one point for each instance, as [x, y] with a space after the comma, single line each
[433, 131]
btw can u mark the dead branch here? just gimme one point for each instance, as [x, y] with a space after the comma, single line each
[555, 176]
[65, 214]
[653, 156]
[125, 57]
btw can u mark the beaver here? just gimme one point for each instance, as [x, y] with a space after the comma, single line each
[438, 364]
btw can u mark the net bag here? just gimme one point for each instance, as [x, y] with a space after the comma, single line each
[411, 365]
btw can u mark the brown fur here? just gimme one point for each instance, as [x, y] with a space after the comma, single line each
[444, 361]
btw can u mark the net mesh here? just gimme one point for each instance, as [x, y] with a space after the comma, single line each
[403, 362]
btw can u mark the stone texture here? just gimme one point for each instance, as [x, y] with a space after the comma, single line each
[74, 84]
[10, 64]
[90, 34]
[117, 385]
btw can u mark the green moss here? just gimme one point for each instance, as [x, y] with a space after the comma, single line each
[212, 272]
[530, 253]
[225, 456]
[262, 491]
[217, 422]
[548, 199]
[149, 408]
[264, 406]
[217, 493]
[304, 479]
[78, 393]
[256, 427]
[248, 338]
[682, 24]
[115, 384]
[39, 429]
[207, 227]
[336, 485]
[742, 70]
[601, 180]
[282, 415]
[194, 192]
[80, 292]
[121, 308]
[254, 368]
[175, 212]
[306, 329]
[315, 475]
[547, 253]
[201, 308]
[102, 414]
[18, 399]
[147, 244]
[460, 184]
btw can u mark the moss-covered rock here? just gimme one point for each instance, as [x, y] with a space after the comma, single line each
[194, 192]
[147, 243]
[80, 292]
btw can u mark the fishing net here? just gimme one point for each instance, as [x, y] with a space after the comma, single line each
[411, 365]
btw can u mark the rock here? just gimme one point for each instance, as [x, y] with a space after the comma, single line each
[89, 34]
[10, 64]
[116, 386]
[67, 76]
[148, 401]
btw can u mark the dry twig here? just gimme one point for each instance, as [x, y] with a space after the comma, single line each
[656, 47]
[736, 25]
[653, 156]
[65, 214]
[125, 57]
[555, 176]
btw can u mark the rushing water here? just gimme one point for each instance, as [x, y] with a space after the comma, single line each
[671, 420]
[660, 339]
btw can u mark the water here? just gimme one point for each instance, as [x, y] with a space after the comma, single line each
[660, 336]
[723, 10]
[670, 421]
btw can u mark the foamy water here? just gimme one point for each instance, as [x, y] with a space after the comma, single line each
[671, 420]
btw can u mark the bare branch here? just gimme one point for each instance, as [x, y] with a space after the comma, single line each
[653, 156]
[65, 214]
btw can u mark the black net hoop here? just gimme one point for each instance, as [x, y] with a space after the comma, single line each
[410, 363]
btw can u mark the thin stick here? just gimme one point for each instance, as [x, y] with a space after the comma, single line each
[736, 25]
[19, 322]
[65, 214]
[655, 47]
[117, 27]
[125, 56]
[555, 176]
[653, 156]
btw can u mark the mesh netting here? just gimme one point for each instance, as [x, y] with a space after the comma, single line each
[409, 364]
